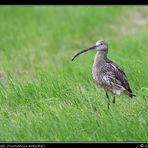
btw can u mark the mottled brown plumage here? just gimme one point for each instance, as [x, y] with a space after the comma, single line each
[106, 73]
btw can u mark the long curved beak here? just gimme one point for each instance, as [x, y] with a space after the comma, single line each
[82, 51]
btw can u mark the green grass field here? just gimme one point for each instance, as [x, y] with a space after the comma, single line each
[46, 97]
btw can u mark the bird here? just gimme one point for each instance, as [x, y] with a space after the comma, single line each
[106, 73]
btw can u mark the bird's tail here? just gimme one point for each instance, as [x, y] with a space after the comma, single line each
[130, 93]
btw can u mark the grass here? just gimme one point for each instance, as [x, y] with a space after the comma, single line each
[46, 97]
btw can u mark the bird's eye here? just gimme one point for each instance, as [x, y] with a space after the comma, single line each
[101, 43]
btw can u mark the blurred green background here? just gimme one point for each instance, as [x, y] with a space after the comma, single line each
[46, 97]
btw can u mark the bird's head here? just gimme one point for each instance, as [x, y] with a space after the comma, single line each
[101, 45]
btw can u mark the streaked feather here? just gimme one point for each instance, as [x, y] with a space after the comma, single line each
[110, 76]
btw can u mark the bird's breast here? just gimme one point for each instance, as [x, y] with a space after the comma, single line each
[95, 73]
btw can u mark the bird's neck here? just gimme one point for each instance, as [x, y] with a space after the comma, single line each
[101, 55]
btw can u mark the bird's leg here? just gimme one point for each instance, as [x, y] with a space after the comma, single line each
[114, 99]
[108, 103]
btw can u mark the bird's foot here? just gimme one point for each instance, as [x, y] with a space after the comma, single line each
[114, 100]
[108, 104]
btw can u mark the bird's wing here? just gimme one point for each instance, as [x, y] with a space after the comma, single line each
[119, 75]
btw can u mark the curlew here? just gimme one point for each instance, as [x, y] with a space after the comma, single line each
[106, 73]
